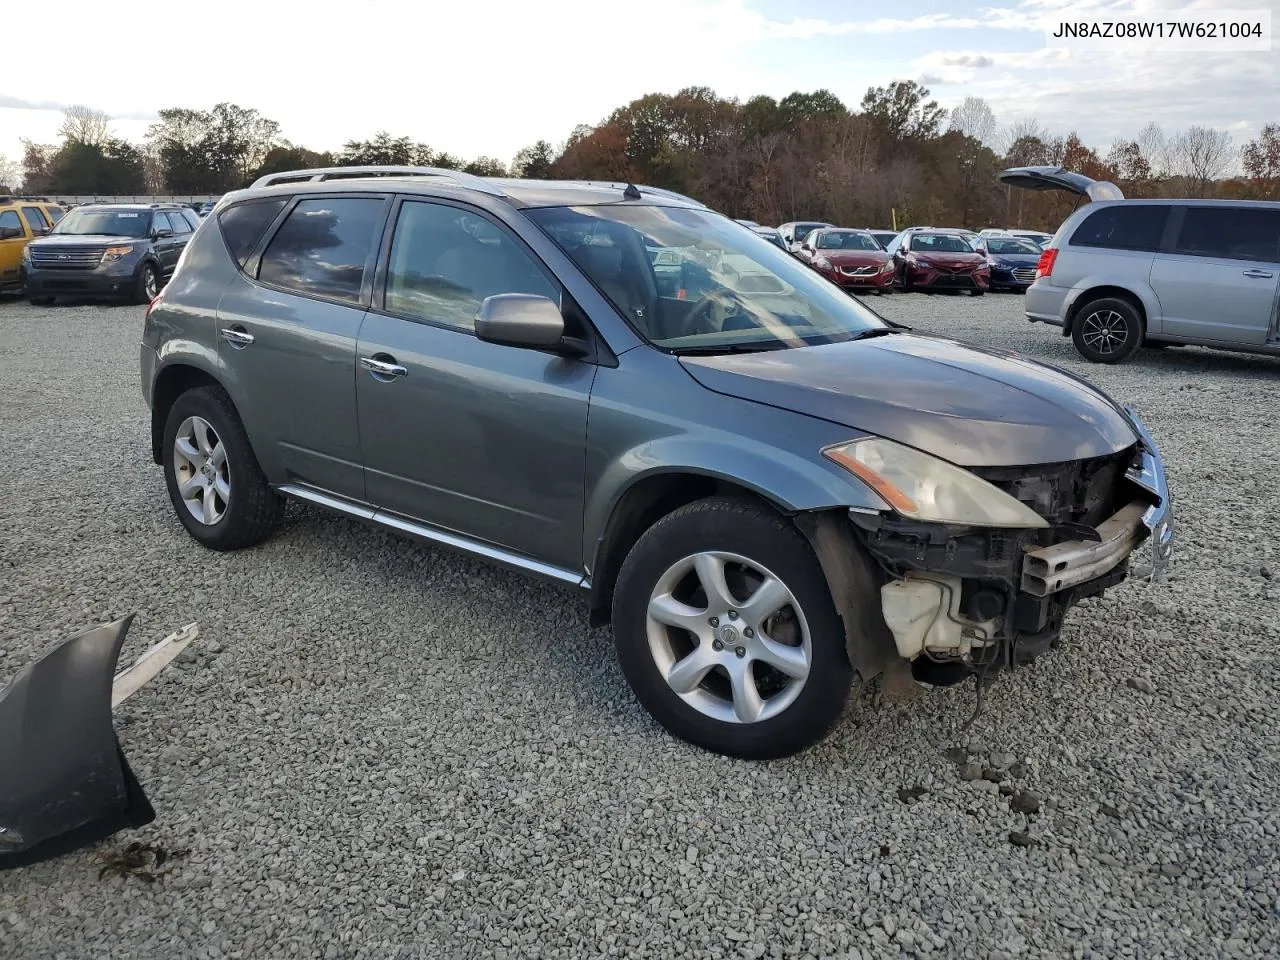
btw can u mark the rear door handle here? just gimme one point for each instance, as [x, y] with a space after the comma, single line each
[383, 368]
[237, 338]
[1259, 274]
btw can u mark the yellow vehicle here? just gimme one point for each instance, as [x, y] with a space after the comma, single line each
[21, 220]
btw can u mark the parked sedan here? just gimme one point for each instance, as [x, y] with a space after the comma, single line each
[851, 259]
[939, 260]
[1013, 261]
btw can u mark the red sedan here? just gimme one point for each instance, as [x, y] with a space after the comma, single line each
[939, 260]
[849, 258]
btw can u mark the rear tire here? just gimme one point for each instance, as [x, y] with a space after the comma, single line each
[716, 685]
[217, 488]
[1107, 330]
[40, 301]
[976, 293]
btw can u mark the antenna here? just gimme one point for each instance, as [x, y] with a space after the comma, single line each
[631, 193]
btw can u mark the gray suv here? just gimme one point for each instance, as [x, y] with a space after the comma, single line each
[764, 486]
[1120, 274]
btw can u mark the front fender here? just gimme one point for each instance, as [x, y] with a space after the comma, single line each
[64, 783]
[1086, 286]
[791, 482]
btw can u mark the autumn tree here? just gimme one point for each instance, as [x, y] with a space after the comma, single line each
[1261, 160]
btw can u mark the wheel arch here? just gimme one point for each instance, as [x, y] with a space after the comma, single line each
[639, 507]
[1144, 301]
[172, 382]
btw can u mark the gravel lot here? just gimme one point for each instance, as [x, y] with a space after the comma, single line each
[379, 749]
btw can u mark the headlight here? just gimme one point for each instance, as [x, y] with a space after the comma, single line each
[822, 263]
[26, 254]
[923, 487]
[112, 254]
[886, 267]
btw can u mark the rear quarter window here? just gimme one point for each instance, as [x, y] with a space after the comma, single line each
[1122, 227]
[244, 224]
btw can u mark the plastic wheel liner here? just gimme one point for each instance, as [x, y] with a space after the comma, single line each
[64, 782]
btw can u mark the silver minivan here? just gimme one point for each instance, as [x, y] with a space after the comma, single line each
[1120, 274]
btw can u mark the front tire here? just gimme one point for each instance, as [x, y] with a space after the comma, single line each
[727, 633]
[976, 293]
[1107, 330]
[40, 301]
[147, 285]
[215, 483]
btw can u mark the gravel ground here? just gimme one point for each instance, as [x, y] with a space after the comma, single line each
[378, 749]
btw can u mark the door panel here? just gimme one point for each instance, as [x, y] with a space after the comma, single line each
[295, 384]
[1221, 279]
[295, 378]
[1209, 299]
[484, 440]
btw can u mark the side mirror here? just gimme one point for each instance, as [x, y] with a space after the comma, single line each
[525, 320]
[161, 234]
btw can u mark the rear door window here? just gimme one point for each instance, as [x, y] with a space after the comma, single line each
[36, 219]
[1123, 227]
[244, 224]
[1230, 233]
[323, 247]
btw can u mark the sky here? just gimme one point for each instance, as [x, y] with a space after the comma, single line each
[485, 79]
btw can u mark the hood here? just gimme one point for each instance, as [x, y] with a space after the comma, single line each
[1059, 178]
[974, 407]
[853, 258]
[83, 239]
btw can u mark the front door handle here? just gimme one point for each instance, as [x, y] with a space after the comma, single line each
[237, 338]
[388, 369]
[1259, 274]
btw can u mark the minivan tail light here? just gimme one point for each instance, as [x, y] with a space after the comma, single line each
[1045, 267]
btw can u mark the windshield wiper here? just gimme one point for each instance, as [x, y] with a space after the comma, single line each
[876, 332]
[711, 350]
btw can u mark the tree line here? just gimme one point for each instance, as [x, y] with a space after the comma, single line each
[898, 156]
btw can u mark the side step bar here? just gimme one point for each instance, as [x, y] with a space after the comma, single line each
[419, 531]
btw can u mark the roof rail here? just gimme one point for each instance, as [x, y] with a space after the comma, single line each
[331, 173]
[7, 197]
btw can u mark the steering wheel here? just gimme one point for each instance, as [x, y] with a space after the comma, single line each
[699, 320]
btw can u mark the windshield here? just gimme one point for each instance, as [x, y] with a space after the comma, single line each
[109, 223]
[837, 240]
[1012, 246]
[940, 243]
[692, 280]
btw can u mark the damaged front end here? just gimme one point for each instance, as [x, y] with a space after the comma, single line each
[64, 782]
[962, 599]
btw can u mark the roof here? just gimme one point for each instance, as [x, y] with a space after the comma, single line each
[435, 181]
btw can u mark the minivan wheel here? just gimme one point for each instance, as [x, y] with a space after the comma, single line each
[727, 633]
[216, 486]
[1107, 330]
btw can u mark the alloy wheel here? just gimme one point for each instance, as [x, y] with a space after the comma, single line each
[149, 283]
[728, 637]
[201, 469]
[1105, 331]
